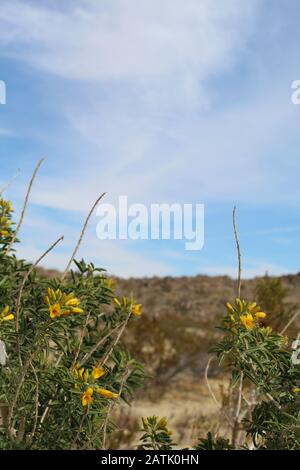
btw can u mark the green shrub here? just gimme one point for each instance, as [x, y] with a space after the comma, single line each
[259, 360]
[62, 368]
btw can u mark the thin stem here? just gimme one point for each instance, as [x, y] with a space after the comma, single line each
[9, 183]
[19, 298]
[24, 207]
[108, 354]
[109, 410]
[211, 391]
[17, 393]
[36, 415]
[96, 347]
[80, 340]
[290, 322]
[238, 411]
[46, 411]
[79, 429]
[81, 235]
[238, 253]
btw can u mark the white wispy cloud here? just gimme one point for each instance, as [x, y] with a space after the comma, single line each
[126, 39]
[146, 111]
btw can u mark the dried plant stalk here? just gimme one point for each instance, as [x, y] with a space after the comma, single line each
[82, 235]
[24, 207]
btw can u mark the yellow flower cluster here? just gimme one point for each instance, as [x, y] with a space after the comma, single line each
[248, 314]
[136, 309]
[61, 304]
[6, 314]
[84, 375]
[87, 397]
[5, 214]
[87, 377]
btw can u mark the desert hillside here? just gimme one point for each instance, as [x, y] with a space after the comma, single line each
[172, 339]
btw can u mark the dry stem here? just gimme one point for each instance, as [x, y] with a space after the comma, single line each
[238, 252]
[81, 235]
[18, 302]
[24, 207]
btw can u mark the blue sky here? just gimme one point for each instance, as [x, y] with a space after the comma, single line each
[164, 102]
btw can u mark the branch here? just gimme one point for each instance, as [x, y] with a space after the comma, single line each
[238, 252]
[238, 411]
[96, 347]
[211, 391]
[80, 340]
[290, 322]
[36, 415]
[18, 302]
[81, 235]
[9, 183]
[107, 355]
[24, 207]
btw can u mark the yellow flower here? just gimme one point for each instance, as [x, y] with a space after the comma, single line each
[6, 314]
[117, 302]
[73, 310]
[61, 304]
[229, 308]
[136, 310]
[4, 233]
[162, 423]
[55, 311]
[260, 315]
[252, 306]
[268, 330]
[97, 373]
[248, 321]
[239, 304]
[106, 393]
[296, 390]
[73, 302]
[8, 317]
[87, 397]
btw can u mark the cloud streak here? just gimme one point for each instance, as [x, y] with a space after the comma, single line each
[159, 101]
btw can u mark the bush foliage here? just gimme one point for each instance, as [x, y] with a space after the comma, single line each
[62, 369]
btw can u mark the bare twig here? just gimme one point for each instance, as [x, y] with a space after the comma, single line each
[236, 423]
[82, 235]
[208, 384]
[17, 393]
[290, 322]
[109, 410]
[238, 252]
[9, 183]
[103, 361]
[36, 415]
[80, 340]
[79, 428]
[46, 411]
[219, 405]
[111, 406]
[19, 298]
[24, 207]
[96, 347]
